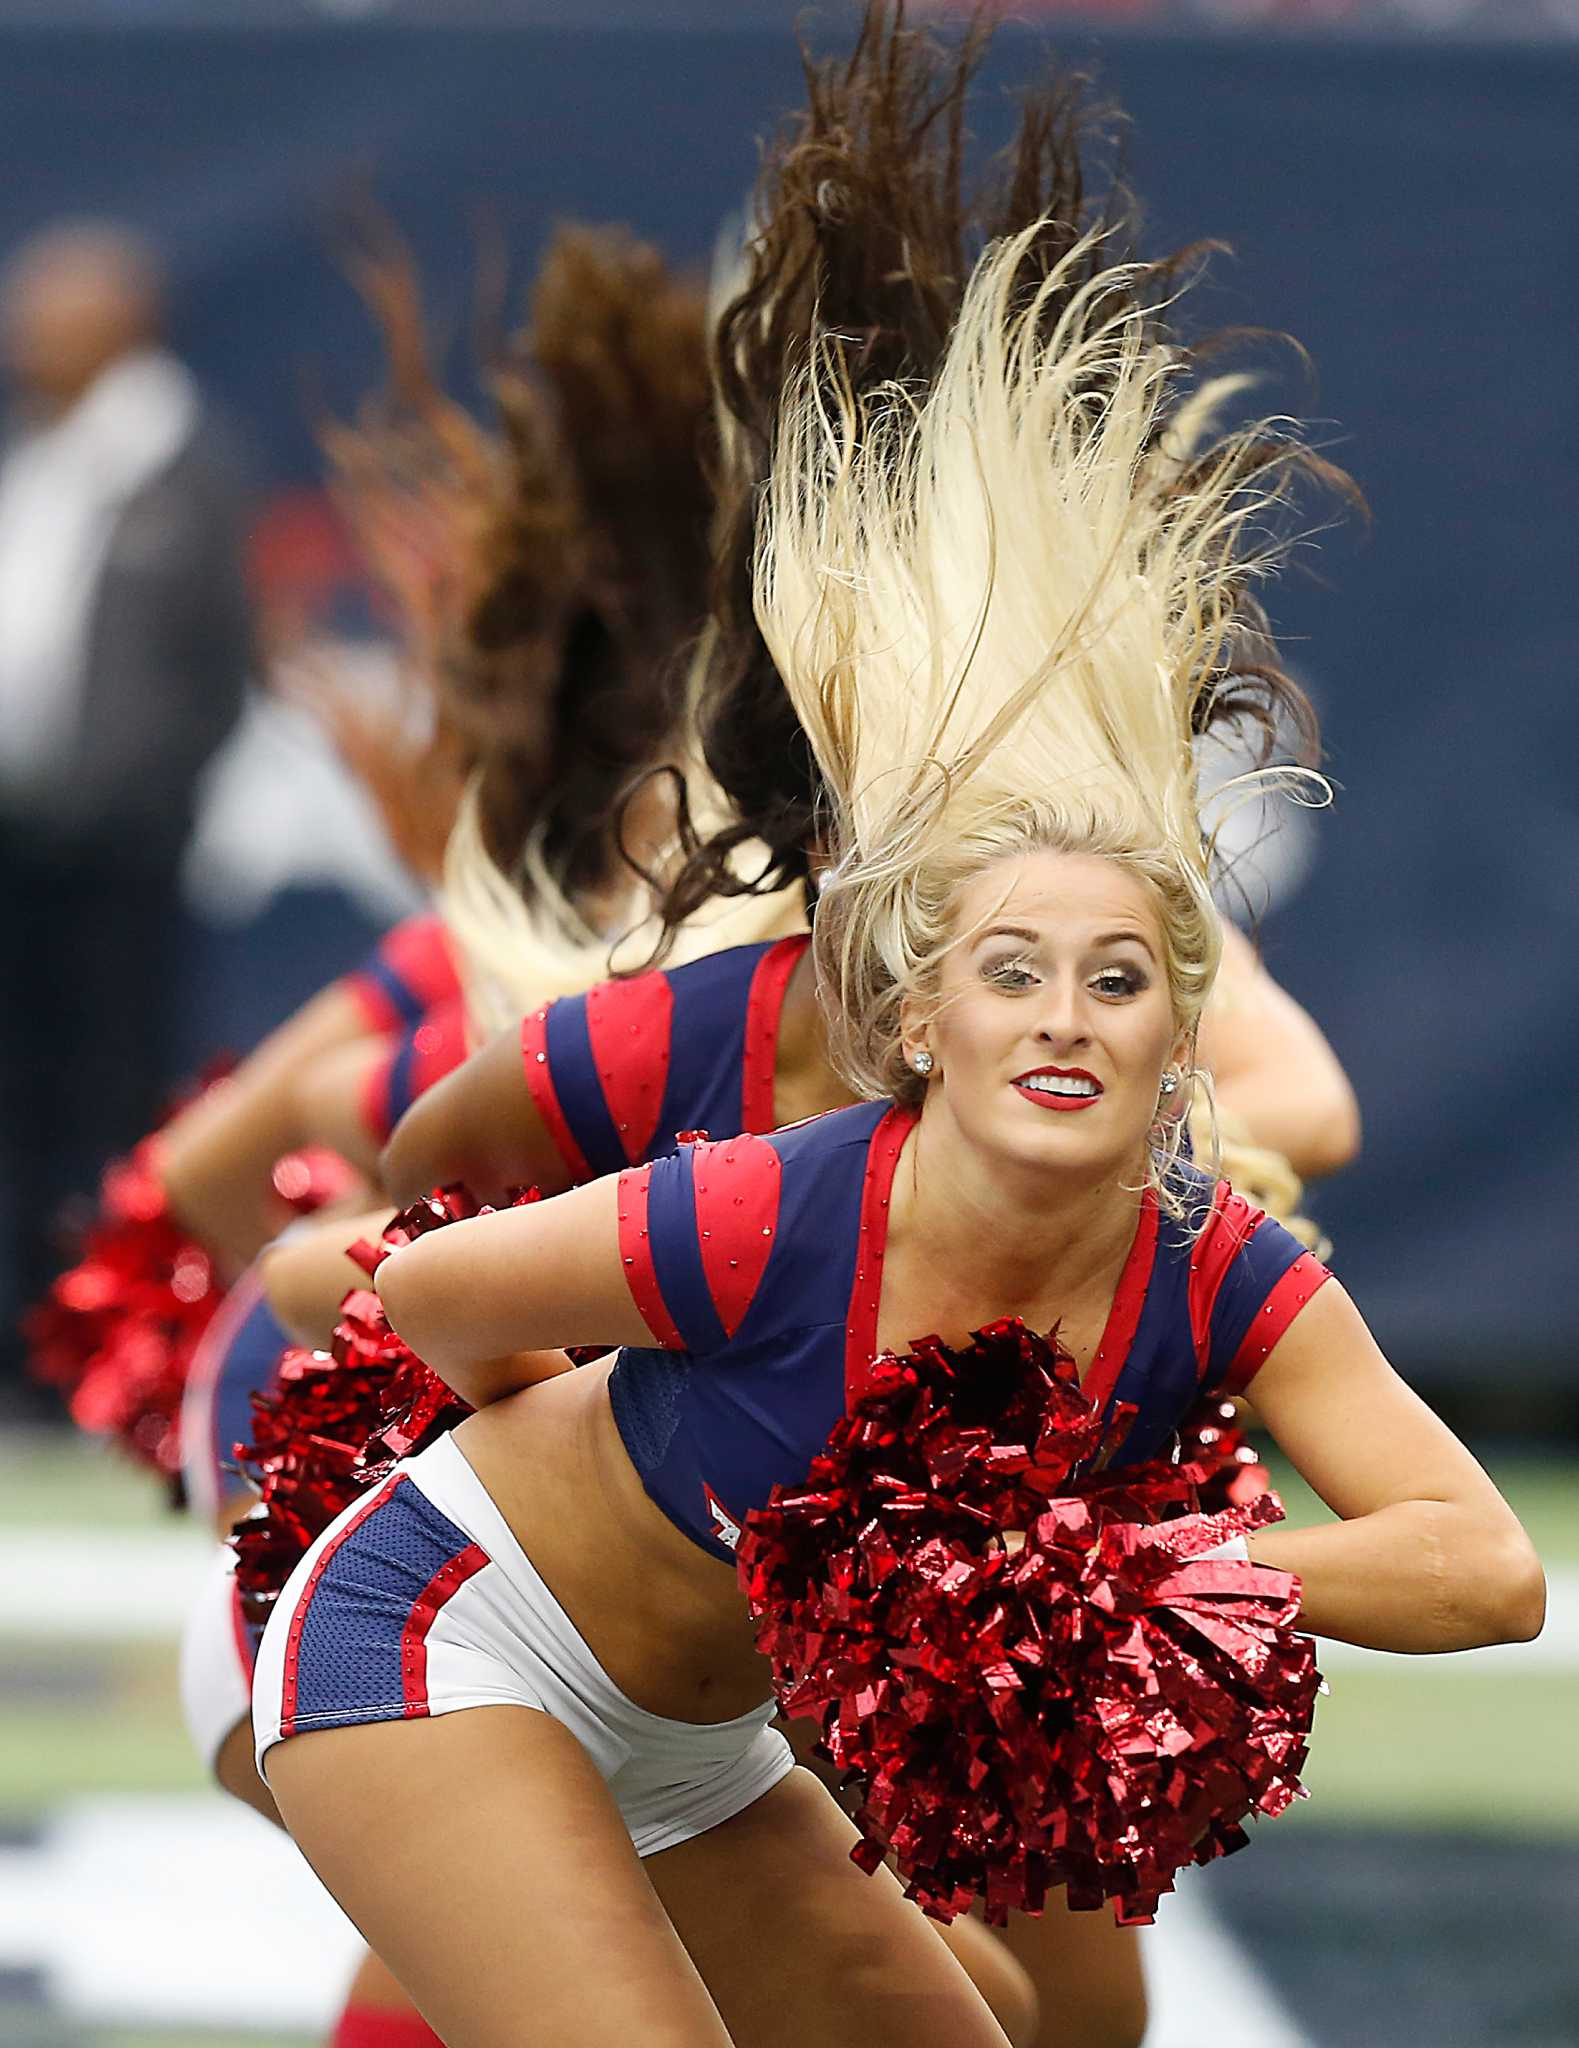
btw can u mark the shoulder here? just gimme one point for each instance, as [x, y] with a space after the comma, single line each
[1249, 1278]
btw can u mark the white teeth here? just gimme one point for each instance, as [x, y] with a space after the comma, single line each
[1059, 1084]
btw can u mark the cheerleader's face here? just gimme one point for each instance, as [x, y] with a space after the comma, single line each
[1056, 1021]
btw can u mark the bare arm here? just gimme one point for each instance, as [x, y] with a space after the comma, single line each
[1274, 1069]
[218, 1154]
[330, 1094]
[307, 1274]
[1428, 1555]
[479, 1126]
[482, 1301]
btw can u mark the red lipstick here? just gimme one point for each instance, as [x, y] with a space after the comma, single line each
[1080, 1092]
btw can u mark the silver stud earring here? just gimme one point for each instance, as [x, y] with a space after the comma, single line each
[922, 1064]
[1170, 1081]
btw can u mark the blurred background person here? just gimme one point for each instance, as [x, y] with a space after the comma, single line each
[125, 644]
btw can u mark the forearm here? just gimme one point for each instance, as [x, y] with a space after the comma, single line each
[482, 1381]
[1418, 1576]
[308, 1273]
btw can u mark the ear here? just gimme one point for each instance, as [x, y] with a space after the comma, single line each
[913, 1033]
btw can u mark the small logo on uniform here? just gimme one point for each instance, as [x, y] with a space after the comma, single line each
[725, 1527]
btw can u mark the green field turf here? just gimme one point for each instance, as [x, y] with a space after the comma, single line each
[1403, 1746]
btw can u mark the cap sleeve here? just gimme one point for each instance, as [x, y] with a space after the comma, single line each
[1257, 1278]
[697, 1233]
[598, 1067]
[411, 970]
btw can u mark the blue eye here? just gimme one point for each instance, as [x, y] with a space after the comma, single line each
[1119, 981]
[1009, 975]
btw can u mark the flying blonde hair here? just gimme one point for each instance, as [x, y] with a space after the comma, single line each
[998, 603]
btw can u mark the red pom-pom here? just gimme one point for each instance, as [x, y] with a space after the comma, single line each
[1096, 1706]
[117, 1330]
[339, 1420]
[1223, 1462]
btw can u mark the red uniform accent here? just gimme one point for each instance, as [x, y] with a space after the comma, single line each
[293, 1642]
[382, 2026]
[628, 1029]
[1224, 1235]
[1303, 1279]
[866, 1291]
[540, 1079]
[636, 1255]
[1129, 1298]
[737, 1213]
[764, 1010]
[445, 1583]
[417, 952]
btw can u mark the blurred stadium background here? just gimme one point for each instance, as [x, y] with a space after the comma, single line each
[1399, 181]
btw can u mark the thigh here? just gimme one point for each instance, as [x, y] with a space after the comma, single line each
[797, 1945]
[482, 1856]
[1086, 1971]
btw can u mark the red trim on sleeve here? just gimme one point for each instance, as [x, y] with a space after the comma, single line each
[764, 1013]
[445, 1583]
[438, 1046]
[293, 1641]
[1129, 1298]
[866, 1293]
[737, 1213]
[419, 952]
[379, 1014]
[1226, 1232]
[636, 1256]
[629, 1027]
[540, 1080]
[373, 1100]
[1305, 1278]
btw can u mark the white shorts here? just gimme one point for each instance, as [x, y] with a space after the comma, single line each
[418, 1600]
[216, 1660]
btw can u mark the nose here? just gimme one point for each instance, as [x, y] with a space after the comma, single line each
[1063, 1017]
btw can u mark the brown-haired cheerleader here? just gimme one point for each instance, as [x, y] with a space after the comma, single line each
[547, 574]
[511, 1705]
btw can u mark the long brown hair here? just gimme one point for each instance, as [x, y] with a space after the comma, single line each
[865, 226]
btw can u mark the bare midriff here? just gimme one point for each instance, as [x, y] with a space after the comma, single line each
[667, 1622]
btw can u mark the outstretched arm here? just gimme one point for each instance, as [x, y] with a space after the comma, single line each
[1427, 1555]
[1274, 1069]
[478, 1126]
[217, 1156]
[482, 1301]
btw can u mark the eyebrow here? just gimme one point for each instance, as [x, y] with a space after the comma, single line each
[1117, 938]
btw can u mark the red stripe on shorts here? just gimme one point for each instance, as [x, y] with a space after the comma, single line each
[445, 1583]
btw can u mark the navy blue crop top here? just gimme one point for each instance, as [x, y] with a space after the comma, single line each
[757, 1266]
[618, 1072]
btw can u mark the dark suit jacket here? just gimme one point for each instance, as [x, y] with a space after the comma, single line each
[170, 647]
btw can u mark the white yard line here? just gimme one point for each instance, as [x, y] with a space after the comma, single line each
[1204, 1989]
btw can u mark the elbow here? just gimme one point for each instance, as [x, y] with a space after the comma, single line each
[1521, 1594]
[1331, 1140]
[1507, 1603]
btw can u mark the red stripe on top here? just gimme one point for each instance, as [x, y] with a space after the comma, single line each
[737, 1213]
[629, 1027]
[293, 1641]
[641, 1276]
[1306, 1277]
[764, 1013]
[445, 1583]
[540, 1080]
[1129, 1298]
[1224, 1235]
[866, 1293]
